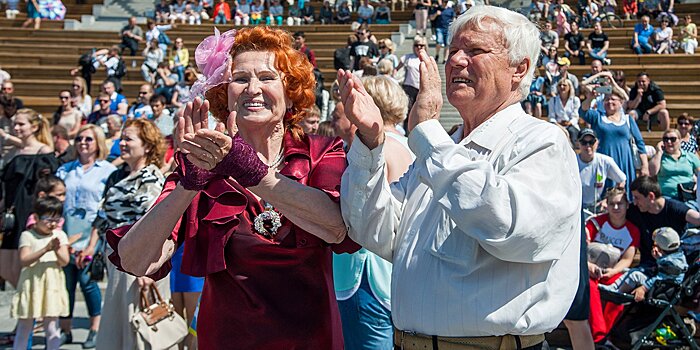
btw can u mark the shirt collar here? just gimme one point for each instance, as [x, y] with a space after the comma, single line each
[487, 134]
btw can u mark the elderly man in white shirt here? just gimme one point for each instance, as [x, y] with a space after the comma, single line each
[484, 228]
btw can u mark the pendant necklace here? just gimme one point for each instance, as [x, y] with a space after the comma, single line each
[269, 221]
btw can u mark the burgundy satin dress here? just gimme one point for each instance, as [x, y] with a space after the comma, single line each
[261, 293]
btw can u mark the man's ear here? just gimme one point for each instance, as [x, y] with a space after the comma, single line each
[521, 70]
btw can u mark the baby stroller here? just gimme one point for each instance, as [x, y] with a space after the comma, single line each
[656, 322]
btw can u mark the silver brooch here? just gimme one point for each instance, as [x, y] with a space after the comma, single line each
[268, 222]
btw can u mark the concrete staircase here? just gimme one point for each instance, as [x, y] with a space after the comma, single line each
[449, 115]
[112, 15]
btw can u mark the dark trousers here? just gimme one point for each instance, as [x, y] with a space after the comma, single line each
[131, 44]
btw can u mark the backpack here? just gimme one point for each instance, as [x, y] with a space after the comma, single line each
[85, 62]
[120, 71]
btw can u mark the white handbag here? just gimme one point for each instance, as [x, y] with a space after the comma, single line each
[157, 323]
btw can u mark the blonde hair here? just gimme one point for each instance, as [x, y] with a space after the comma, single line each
[102, 151]
[674, 131]
[389, 44]
[385, 67]
[616, 191]
[388, 96]
[43, 131]
[420, 40]
[83, 85]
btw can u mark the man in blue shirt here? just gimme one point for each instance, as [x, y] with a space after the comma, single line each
[118, 101]
[141, 108]
[642, 33]
[442, 17]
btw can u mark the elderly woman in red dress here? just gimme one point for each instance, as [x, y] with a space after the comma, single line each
[256, 207]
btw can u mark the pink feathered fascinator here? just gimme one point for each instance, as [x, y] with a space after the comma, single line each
[213, 58]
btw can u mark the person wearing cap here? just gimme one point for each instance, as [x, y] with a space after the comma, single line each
[670, 261]
[564, 73]
[594, 169]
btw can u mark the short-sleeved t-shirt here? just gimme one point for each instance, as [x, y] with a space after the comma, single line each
[36, 241]
[643, 33]
[548, 38]
[597, 40]
[412, 63]
[673, 172]
[574, 40]
[594, 174]
[618, 237]
[671, 215]
[650, 98]
[362, 49]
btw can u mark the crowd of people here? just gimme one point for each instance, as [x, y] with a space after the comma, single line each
[354, 202]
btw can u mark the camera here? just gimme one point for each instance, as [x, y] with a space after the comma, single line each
[606, 89]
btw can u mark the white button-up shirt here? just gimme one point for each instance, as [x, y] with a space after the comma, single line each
[484, 233]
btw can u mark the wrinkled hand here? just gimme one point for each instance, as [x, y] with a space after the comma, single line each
[144, 281]
[361, 110]
[429, 100]
[204, 147]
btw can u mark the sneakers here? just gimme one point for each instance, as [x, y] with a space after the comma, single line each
[91, 340]
[607, 61]
[66, 338]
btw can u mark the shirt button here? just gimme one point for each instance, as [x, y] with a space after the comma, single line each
[302, 242]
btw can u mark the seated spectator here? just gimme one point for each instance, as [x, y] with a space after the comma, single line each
[651, 211]
[551, 57]
[161, 115]
[689, 35]
[629, 8]
[9, 103]
[574, 43]
[670, 262]
[620, 80]
[275, 14]
[308, 14]
[536, 100]
[591, 11]
[179, 59]
[222, 12]
[157, 32]
[182, 90]
[131, 35]
[598, 44]
[67, 116]
[365, 12]
[192, 15]
[103, 109]
[665, 10]
[256, 12]
[141, 107]
[548, 38]
[153, 56]
[177, 11]
[118, 103]
[382, 14]
[325, 13]
[534, 11]
[242, 14]
[294, 18]
[342, 16]
[564, 73]
[162, 12]
[113, 125]
[81, 99]
[663, 38]
[563, 109]
[113, 63]
[62, 147]
[641, 41]
[673, 166]
[647, 102]
[12, 10]
[165, 81]
[612, 243]
[595, 169]
[685, 126]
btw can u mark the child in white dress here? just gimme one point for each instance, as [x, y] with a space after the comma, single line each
[41, 291]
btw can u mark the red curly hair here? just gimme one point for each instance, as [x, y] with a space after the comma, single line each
[298, 78]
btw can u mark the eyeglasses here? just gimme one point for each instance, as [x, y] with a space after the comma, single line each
[418, 45]
[669, 139]
[64, 97]
[587, 143]
[683, 123]
[6, 89]
[143, 92]
[87, 139]
[50, 219]
[382, 47]
[105, 101]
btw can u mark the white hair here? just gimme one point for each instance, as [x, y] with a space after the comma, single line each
[522, 37]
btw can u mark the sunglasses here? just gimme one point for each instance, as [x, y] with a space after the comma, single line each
[64, 97]
[683, 123]
[143, 92]
[587, 143]
[382, 47]
[669, 139]
[419, 45]
[105, 101]
[87, 139]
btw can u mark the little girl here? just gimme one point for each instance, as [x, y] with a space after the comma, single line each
[48, 186]
[41, 291]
